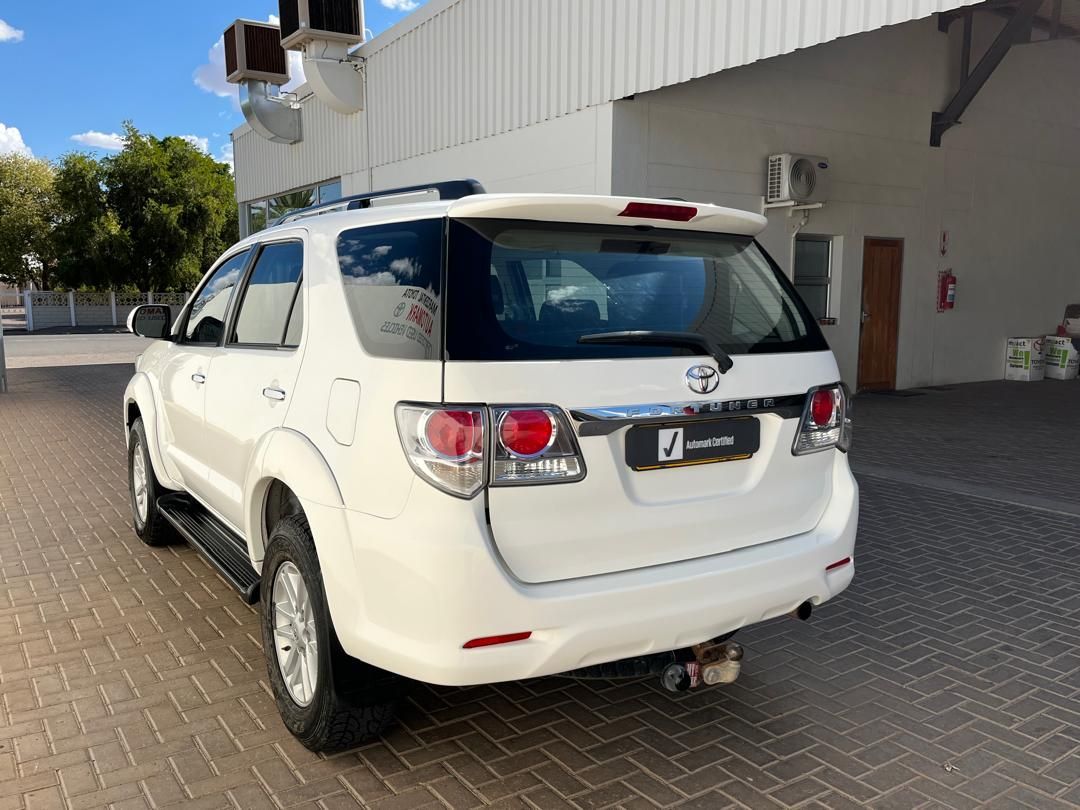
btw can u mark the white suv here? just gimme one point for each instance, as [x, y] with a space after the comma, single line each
[463, 438]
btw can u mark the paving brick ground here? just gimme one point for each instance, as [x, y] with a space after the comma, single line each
[947, 676]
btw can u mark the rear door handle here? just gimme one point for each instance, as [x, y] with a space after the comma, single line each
[275, 394]
[198, 377]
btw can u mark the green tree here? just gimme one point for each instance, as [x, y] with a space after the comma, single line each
[27, 210]
[86, 232]
[174, 209]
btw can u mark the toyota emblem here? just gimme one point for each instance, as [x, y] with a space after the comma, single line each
[702, 379]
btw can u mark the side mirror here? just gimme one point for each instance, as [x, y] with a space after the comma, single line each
[150, 321]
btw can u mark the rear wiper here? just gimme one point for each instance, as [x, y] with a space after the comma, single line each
[682, 340]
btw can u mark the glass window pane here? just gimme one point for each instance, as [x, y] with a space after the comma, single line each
[296, 320]
[269, 294]
[293, 201]
[601, 278]
[256, 213]
[816, 297]
[811, 259]
[328, 192]
[207, 319]
[393, 280]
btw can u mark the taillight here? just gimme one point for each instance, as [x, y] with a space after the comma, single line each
[534, 446]
[453, 435]
[445, 445]
[826, 421]
[526, 434]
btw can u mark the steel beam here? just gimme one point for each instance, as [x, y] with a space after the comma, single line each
[1014, 30]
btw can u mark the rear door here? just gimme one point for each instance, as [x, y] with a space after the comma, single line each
[251, 380]
[682, 461]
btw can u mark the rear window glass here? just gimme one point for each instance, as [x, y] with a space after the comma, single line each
[529, 290]
[393, 282]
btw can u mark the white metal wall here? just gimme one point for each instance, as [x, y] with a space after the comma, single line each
[461, 70]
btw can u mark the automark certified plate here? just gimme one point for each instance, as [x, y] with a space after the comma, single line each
[654, 447]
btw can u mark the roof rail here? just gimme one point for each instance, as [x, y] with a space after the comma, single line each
[445, 190]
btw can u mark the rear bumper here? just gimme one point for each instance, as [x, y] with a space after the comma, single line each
[430, 580]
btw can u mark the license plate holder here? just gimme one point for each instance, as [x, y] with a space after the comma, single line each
[657, 447]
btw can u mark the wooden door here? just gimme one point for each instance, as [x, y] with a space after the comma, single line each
[882, 259]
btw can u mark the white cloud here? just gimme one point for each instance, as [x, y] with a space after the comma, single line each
[11, 142]
[202, 144]
[9, 33]
[225, 155]
[401, 5]
[110, 141]
[210, 76]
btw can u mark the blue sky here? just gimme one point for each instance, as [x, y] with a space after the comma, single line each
[76, 70]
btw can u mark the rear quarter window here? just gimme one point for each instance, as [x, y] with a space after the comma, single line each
[392, 275]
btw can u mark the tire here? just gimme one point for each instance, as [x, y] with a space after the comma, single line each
[150, 525]
[333, 702]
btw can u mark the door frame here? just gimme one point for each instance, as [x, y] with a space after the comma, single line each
[899, 240]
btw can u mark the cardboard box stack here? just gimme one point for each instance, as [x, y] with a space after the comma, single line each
[1062, 360]
[1024, 359]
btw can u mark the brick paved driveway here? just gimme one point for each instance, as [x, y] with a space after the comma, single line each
[947, 676]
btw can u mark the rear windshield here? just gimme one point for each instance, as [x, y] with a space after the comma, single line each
[547, 284]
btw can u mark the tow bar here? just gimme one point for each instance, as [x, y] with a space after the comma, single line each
[713, 663]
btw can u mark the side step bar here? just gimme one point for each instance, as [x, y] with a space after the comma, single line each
[225, 550]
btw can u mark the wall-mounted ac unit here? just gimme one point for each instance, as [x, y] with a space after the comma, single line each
[304, 21]
[253, 52]
[797, 179]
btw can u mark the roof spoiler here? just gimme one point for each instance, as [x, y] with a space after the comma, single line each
[445, 190]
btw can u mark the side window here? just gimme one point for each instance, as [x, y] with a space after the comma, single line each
[206, 320]
[269, 295]
[393, 285]
[296, 320]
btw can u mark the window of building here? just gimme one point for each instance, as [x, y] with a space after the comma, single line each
[328, 192]
[813, 272]
[258, 214]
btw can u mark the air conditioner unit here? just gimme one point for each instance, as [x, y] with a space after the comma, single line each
[797, 178]
[304, 21]
[253, 52]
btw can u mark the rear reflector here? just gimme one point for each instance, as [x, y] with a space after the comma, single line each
[491, 641]
[676, 213]
[837, 564]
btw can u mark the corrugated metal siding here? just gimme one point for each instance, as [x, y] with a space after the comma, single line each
[460, 70]
[333, 146]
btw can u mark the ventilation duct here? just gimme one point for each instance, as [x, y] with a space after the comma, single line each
[255, 60]
[324, 30]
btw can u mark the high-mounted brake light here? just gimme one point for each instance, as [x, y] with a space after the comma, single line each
[644, 210]
[826, 421]
[491, 641]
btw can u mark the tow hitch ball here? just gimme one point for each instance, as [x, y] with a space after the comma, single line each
[712, 664]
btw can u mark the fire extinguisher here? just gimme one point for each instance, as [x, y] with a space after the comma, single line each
[946, 290]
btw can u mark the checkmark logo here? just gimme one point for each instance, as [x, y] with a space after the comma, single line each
[670, 444]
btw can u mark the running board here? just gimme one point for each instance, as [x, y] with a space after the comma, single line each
[225, 550]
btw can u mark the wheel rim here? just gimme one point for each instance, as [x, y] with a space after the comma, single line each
[139, 482]
[295, 643]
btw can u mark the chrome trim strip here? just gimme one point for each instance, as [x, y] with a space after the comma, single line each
[603, 421]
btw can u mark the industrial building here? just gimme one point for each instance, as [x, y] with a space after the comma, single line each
[944, 137]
